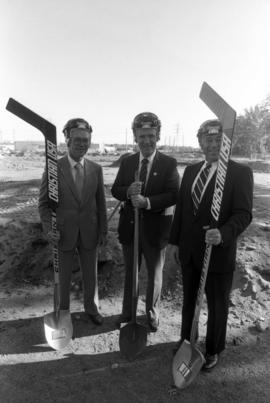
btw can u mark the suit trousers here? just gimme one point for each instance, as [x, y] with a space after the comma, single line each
[88, 265]
[154, 260]
[217, 289]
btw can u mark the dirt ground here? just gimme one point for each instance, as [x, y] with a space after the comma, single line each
[91, 368]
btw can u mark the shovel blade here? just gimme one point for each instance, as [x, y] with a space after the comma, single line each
[58, 329]
[186, 365]
[132, 340]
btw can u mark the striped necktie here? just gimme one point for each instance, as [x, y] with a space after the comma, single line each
[79, 179]
[143, 174]
[199, 187]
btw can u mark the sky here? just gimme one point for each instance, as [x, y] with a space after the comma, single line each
[108, 60]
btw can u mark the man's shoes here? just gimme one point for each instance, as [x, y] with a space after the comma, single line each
[210, 362]
[122, 319]
[153, 324]
[96, 318]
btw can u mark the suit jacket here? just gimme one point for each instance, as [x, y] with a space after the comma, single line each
[235, 215]
[161, 189]
[87, 217]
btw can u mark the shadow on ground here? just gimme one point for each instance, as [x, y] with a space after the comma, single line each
[107, 377]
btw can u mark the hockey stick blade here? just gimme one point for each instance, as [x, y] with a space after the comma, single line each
[225, 113]
[49, 132]
[47, 128]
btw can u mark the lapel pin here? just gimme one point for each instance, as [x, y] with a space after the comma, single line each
[154, 173]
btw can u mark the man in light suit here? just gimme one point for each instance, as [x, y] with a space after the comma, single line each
[191, 231]
[81, 215]
[154, 194]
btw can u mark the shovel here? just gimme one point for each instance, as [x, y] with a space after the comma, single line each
[57, 324]
[189, 360]
[133, 336]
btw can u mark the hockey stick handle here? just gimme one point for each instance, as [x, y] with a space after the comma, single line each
[55, 257]
[199, 301]
[223, 161]
[114, 211]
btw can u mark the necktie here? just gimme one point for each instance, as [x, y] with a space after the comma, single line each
[143, 174]
[79, 179]
[199, 187]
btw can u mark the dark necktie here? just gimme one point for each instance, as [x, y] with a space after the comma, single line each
[79, 179]
[199, 187]
[143, 174]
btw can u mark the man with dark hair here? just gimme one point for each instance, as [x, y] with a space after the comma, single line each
[154, 194]
[81, 215]
[191, 230]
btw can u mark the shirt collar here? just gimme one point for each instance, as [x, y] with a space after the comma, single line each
[213, 165]
[150, 158]
[73, 163]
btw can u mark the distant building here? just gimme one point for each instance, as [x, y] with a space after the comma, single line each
[32, 146]
[39, 146]
[107, 149]
[6, 148]
[94, 147]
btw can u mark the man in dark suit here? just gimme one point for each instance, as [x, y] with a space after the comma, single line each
[81, 215]
[154, 194]
[191, 231]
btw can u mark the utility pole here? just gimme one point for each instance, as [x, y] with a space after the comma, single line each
[177, 134]
[179, 137]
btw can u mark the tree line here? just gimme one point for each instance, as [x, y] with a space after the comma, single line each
[252, 130]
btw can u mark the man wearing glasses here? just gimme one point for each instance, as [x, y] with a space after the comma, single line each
[191, 231]
[81, 215]
[154, 193]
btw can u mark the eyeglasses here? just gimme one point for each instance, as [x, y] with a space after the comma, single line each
[77, 141]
